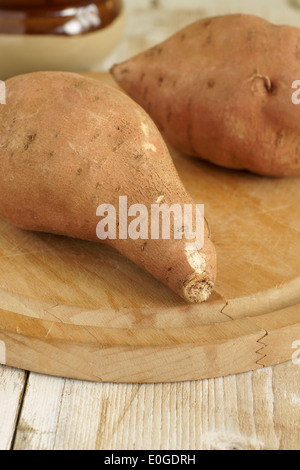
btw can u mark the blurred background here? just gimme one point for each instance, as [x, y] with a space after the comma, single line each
[151, 21]
[84, 35]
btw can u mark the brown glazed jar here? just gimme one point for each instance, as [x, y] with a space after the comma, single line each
[70, 35]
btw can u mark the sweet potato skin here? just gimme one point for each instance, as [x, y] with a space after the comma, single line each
[220, 89]
[68, 144]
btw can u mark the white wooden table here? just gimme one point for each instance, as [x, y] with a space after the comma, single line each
[256, 410]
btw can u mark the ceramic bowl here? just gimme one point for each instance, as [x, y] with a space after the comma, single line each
[57, 34]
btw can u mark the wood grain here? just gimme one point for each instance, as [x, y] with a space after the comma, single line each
[255, 410]
[258, 410]
[12, 383]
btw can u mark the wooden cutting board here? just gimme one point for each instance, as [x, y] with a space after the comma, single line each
[77, 309]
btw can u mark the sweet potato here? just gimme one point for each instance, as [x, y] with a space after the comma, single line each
[220, 89]
[69, 144]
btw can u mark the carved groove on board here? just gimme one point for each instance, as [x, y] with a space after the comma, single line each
[261, 350]
[277, 298]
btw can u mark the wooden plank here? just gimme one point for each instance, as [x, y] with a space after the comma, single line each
[257, 410]
[40, 413]
[253, 410]
[12, 383]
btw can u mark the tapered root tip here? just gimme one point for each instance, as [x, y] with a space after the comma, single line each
[197, 289]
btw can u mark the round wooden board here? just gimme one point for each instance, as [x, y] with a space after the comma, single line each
[77, 309]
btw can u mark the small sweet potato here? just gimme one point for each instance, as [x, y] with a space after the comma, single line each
[221, 89]
[69, 144]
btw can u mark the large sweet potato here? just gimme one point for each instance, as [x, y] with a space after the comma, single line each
[221, 89]
[69, 144]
